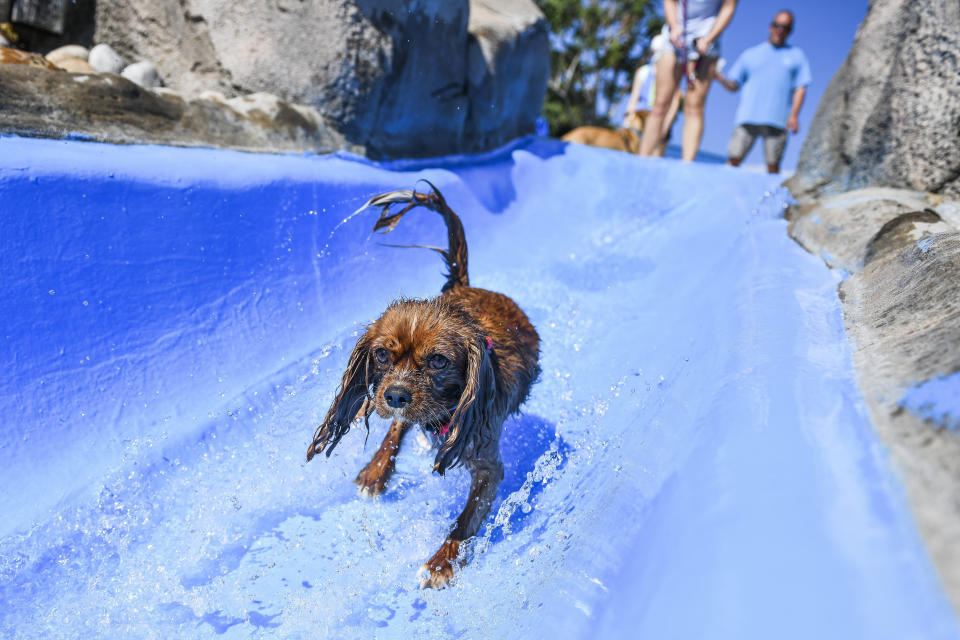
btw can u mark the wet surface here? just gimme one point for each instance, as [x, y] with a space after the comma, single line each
[694, 462]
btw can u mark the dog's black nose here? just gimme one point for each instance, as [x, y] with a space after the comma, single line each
[397, 397]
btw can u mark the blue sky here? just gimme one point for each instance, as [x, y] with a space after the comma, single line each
[824, 30]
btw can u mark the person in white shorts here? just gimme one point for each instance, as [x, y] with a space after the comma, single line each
[693, 28]
[774, 78]
[643, 95]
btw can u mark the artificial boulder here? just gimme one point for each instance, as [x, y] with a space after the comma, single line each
[891, 114]
[877, 183]
[901, 309]
[397, 78]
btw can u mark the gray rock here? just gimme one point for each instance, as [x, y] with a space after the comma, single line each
[49, 15]
[110, 108]
[839, 228]
[891, 114]
[144, 73]
[902, 313]
[104, 59]
[270, 111]
[509, 39]
[420, 78]
[901, 310]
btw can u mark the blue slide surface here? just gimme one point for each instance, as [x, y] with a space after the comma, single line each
[695, 461]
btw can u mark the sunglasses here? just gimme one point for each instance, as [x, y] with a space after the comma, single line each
[785, 27]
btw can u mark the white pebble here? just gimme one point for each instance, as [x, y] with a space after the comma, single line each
[104, 59]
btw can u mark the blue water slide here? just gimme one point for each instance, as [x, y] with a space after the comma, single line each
[695, 461]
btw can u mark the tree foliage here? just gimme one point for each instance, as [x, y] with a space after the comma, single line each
[596, 45]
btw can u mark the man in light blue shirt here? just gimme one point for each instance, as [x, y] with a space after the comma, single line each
[774, 77]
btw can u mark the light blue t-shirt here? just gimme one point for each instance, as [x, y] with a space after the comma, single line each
[767, 76]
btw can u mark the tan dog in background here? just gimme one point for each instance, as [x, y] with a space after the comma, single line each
[626, 138]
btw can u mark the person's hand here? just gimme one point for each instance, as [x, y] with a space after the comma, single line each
[726, 82]
[792, 125]
[676, 38]
[703, 45]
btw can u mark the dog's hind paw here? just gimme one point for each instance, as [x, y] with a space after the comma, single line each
[439, 570]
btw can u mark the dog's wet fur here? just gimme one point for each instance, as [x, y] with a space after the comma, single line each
[456, 365]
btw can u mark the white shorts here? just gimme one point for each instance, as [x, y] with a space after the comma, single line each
[690, 38]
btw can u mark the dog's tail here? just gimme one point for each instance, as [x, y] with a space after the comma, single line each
[455, 255]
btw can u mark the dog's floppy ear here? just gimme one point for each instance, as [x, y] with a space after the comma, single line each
[351, 397]
[470, 420]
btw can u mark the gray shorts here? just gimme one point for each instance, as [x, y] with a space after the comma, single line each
[774, 142]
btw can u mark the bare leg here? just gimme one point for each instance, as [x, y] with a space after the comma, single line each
[485, 477]
[668, 78]
[668, 122]
[374, 476]
[693, 108]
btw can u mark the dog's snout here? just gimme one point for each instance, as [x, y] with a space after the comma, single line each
[397, 397]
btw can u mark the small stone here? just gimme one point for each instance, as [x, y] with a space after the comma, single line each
[144, 73]
[67, 52]
[104, 59]
[75, 65]
[212, 96]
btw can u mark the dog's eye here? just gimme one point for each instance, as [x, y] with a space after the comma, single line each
[437, 361]
[382, 356]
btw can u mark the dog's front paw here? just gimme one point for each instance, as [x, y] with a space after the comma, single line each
[372, 480]
[438, 570]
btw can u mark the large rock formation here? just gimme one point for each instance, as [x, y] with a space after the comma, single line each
[878, 183]
[398, 78]
[901, 309]
[891, 114]
[381, 77]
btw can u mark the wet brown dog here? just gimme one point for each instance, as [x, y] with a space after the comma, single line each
[457, 365]
[626, 138]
